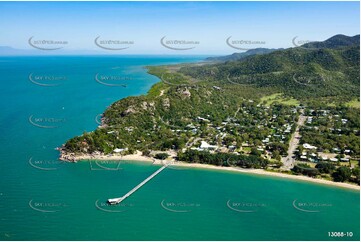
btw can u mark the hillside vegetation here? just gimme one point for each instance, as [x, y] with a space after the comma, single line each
[244, 110]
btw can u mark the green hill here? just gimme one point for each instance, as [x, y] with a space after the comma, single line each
[335, 42]
[240, 56]
[303, 72]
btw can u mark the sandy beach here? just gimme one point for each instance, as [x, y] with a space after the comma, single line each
[139, 157]
[275, 174]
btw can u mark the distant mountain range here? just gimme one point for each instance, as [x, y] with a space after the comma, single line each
[240, 56]
[10, 51]
[334, 42]
[329, 68]
[7, 50]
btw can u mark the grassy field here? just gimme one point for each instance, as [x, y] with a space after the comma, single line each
[355, 103]
[246, 149]
[279, 98]
[354, 163]
[156, 90]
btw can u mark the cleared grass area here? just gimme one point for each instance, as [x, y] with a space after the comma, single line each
[331, 105]
[246, 149]
[311, 164]
[354, 162]
[355, 103]
[157, 89]
[279, 98]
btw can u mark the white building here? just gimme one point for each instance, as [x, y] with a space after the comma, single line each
[117, 150]
[308, 146]
[205, 145]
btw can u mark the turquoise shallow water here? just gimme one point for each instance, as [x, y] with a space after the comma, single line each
[43, 199]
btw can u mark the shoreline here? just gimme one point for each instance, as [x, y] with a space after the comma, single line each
[139, 157]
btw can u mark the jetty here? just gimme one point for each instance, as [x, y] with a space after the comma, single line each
[114, 201]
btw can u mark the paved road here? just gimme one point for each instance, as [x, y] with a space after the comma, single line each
[288, 161]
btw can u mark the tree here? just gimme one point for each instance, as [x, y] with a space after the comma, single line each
[146, 152]
[305, 169]
[342, 174]
[282, 148]
[276, 155]
[255, 152]
[161, 156]
[325, 167]
[356, 174]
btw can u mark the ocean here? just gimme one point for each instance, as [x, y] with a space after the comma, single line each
[46, 100]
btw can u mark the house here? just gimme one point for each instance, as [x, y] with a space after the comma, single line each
[337, 150]
[117, 150]
[308, 146]
[266, 140]
[129, 129]
[191, 126]
[312, 160]
[205, 145]
[203, 119]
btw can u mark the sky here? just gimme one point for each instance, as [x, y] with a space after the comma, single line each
[205, 25]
